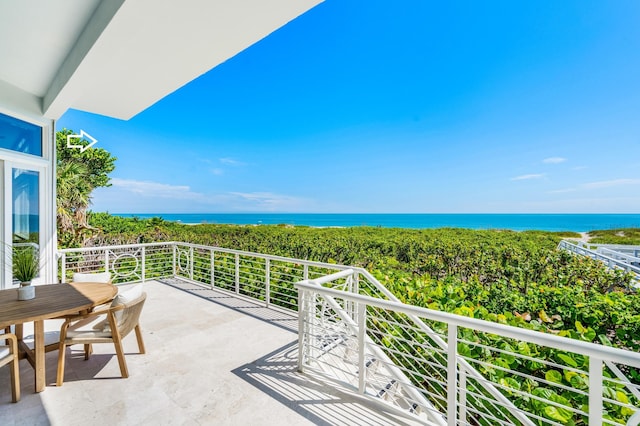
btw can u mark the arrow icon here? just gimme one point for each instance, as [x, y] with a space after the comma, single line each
[81, 136]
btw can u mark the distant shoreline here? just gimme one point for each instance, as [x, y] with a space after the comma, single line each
[581, 223]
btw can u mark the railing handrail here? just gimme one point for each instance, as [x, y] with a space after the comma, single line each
[111, 247]
[266, 256]
[583, 250]
[618, 254]
[611, 246]
[536, 337]
[215, 248]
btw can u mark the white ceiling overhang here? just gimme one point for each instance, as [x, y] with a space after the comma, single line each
[118, 57]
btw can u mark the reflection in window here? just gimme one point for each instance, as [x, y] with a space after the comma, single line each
[26, 209]
[18, 135]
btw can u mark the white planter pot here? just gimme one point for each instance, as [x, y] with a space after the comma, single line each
[26, 292]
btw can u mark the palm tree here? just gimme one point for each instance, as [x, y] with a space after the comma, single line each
[73, 197]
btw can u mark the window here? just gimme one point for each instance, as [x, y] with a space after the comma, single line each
[20, 136]
[26, 209]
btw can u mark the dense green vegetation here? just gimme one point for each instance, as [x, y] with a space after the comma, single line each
[616, 236]
[480, 273]
[516, 278]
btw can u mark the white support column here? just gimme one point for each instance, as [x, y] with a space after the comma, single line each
[190, 263]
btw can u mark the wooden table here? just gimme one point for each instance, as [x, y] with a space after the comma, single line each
[51, 301]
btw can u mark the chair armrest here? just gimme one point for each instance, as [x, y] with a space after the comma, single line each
[70, 318]
[12, 340]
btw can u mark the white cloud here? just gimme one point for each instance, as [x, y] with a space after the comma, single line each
[579, 168]
[554, 160]
[528, 177]
[611, 183]
[137, 196]
[231, 162]
[562, 191]
[217, 172]
[156, 189]
[269, 201]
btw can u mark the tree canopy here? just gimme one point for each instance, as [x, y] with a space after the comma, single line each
[78, 173]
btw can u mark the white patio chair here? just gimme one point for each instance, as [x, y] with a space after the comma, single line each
[106, 326]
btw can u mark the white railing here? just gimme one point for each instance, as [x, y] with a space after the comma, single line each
[262, 277]
[611, 255]
[551, 380]
[406, 355]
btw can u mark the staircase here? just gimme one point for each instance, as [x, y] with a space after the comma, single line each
[333, 334]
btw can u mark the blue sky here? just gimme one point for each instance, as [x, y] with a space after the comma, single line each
[412, 106]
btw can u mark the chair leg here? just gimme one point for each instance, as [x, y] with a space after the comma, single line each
[88, 350]
[117, 342]
[141, 348]
[62, 349]
[15, 378]
[121, 360]
[15, 369]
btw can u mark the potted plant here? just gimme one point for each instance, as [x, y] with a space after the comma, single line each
[26, 265]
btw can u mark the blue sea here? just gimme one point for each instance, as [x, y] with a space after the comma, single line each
[516, 222]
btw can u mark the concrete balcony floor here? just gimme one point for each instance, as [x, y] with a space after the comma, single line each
[212, 359]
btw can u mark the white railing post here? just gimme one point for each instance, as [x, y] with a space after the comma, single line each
[462, 403]
[452, 374]
[63, 259]
[173, 264]
[267, 282]
[213, 267]
[106, 260]
[355, 289]
[191, 258]
[595, 391]
[144, 263]
[362, 332]
[237, 273]
[302, 328]
[305, 272]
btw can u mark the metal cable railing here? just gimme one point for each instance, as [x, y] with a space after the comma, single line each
[405, 363]
[545, 379]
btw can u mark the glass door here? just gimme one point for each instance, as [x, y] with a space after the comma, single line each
[27, 195]
[22, 210]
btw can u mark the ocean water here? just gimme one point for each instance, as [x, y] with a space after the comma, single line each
[516, 222]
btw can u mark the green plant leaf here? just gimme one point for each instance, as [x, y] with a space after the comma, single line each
[553, 376]
[557, 413]
[568, 360]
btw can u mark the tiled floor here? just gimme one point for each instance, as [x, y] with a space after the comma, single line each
[212, 359]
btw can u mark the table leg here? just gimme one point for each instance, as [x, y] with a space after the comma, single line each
[19, 332]
[38, 342]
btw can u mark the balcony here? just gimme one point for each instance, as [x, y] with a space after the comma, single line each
[211, 358]
[240, 338]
